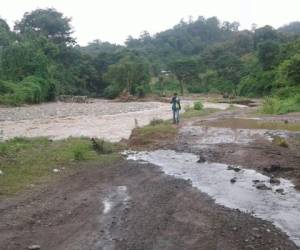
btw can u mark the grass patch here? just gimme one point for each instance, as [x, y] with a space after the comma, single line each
[191, 112]
[155, 122]
[156, 131]
[30, 161]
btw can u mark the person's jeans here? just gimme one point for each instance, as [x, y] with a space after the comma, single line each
[176, 116]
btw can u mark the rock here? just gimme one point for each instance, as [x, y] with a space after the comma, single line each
[201, 159]
[273, 168]
[280, 190]
[274, 181]
[236, 169]
[233, 180]
[235, 229]
[277, 168]
[34, 247]
[255, 181]
[262, 186]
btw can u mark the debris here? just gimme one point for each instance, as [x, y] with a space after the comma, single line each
[233, 180]
[34, 247]
[201, 159]
[277, 168]
[1, 172]
[262, 186]
[236, 169]
[274, 181]
[280, 190]
[55, 170]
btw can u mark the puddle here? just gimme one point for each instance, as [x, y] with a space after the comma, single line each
[214, 179]
[114, 204]
[242, 123]
[115, 198]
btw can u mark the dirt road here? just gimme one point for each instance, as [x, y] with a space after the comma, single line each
[135, 205]
[129, 206]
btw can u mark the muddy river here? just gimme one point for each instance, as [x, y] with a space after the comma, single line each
[101, 119]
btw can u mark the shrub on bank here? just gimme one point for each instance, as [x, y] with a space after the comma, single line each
[275, 105]
[31, 89]
[198, 105]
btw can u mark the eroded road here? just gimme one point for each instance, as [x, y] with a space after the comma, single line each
[139, 205]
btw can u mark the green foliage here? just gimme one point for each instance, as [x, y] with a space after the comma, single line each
[102, 147]
[40, 60]
[185, 70]
[112, 91]
[166, 87]
[198, 105]
[131, 74]
[268, 54]
[46, 22]
[275, 105]
[271, 105]
[79, 154]
[30, 90]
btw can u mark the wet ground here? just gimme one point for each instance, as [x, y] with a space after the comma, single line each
[275, 200]
[240, 195]
[129, 206]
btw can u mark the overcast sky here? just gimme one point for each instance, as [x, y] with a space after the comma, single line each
[114, 20]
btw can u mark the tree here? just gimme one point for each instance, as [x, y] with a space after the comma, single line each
[289, 71]
[292, 28]
[268, 54]
[130, 74]
[264, 34]
[185, 70]
[46, 22]
[5, 34]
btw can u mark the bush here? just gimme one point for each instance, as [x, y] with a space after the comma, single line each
[31, 89]
[275, 105]
[142, 90]
[112, 91]
[78, 154]
[198, 105]
[101, 146]
[271, 105]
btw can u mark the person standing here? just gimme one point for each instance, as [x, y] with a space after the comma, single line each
[176, 107]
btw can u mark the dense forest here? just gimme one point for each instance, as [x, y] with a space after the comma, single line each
[40, 60]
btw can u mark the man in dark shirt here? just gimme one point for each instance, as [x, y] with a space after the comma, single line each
[175, 108]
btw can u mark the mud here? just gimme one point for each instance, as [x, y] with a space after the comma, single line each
[252, 123]
[154, 211]
[215, 180]
[134, 205]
